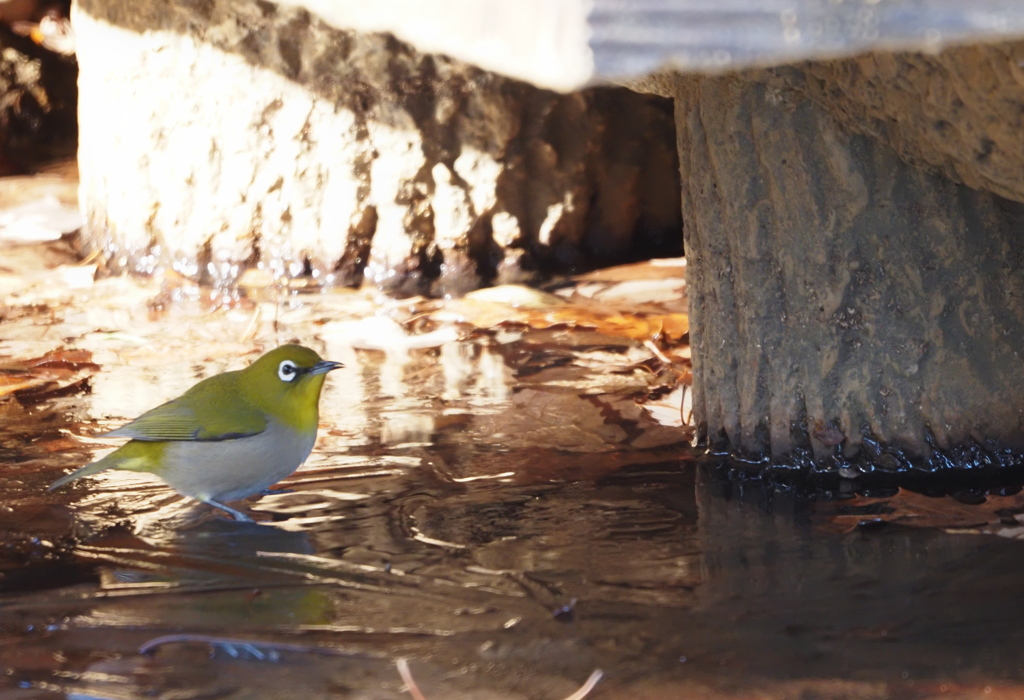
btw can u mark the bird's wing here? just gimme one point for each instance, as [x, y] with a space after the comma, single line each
[176, 421]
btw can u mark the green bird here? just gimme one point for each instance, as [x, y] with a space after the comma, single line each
[231, 435]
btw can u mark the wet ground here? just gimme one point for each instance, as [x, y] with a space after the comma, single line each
[501, 495]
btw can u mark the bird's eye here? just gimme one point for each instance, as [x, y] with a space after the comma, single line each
[287, 371]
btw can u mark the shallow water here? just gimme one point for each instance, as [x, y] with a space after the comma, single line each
[494, 504]
[503, 564]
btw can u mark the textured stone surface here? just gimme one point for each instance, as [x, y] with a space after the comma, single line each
[251, 134]
[543, 42]
[960, 112]
[841, 295]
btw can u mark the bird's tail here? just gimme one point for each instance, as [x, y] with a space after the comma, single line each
[93, 468]
[134, 455]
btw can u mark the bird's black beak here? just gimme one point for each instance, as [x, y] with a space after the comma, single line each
[324, 366]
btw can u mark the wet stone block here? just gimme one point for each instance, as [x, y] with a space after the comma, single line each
[855, 278]
[228, 134]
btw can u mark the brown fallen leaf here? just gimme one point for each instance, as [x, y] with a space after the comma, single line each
[56, 373]
[917, 510]
[483, 311]
[52, 390]
[656, 269]
[71, 359]
[12, 384]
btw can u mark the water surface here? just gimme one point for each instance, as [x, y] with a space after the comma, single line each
[495, 506]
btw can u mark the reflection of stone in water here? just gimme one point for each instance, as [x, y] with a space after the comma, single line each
[456, 360]
[947, 606]
[396, 391]
[494, 378]
[345, 397]
[406, 429]
[162, 356]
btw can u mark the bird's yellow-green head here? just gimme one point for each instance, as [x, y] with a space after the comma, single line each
[285, 384]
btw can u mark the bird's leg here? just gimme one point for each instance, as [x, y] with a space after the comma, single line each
[239, 516]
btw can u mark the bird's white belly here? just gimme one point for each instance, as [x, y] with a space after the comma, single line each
[228, 470]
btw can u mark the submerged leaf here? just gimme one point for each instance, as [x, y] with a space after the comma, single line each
[54, 374]
[918, 510]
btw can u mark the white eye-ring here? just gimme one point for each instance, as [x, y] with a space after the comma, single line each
[287, 371]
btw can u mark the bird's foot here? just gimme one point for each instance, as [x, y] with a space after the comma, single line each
[237, 515]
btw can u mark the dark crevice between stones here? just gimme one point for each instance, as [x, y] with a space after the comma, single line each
[350, 268]
[38, 105]
[203, 264]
